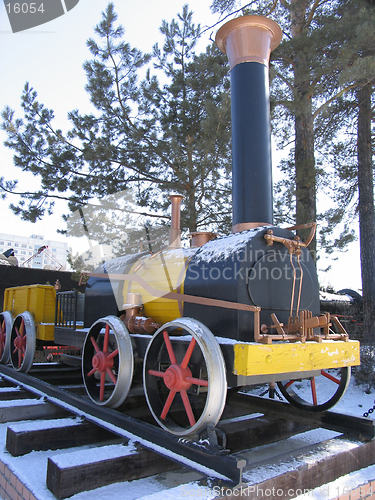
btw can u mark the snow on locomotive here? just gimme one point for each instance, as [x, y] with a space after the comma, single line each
[229, 311]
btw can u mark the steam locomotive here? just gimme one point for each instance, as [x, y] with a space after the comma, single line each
[191, 323]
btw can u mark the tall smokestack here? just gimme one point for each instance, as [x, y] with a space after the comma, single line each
[248, 42]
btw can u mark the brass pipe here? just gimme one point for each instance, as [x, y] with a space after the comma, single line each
[175, 231]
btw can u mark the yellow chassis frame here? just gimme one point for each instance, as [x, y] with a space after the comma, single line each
[279, 357]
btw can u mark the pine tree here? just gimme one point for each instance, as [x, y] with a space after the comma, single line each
[145, 136]
[323, 91]
[304, 79]
[93, 158]
[366, 207]
[353, 150]
[191, 112]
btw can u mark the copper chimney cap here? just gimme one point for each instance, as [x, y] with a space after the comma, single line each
[242, 44]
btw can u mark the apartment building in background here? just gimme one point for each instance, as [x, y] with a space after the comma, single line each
[26, 251]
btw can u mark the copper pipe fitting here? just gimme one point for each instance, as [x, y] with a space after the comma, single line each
[200, 238]
[175, 232]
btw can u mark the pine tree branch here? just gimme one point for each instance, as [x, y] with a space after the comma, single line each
[316, 4]
[73, 199]
[145, 176]
[31, 195]
[272, 8]
[285, 3]
[37, 157]
[339, 94]
[225, 17]
[124, 210]
[210, 217]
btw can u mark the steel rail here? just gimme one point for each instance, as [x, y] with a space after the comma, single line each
[203, 458]
[194, 455]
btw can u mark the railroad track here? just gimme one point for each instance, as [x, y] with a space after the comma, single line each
[226, 455]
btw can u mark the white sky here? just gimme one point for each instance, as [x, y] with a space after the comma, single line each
[50, 58]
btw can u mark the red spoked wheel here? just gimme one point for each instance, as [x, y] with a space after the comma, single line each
[6, 323]
[107, 362]
[184, 377]
[317, 393]
[23, 342]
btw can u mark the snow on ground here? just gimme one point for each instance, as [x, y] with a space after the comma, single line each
[31, 468]
[354, 402]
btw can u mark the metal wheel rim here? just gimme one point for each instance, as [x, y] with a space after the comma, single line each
[216, 375]
[294, 399]
[123, 362]
[6, 323]
[22, 359]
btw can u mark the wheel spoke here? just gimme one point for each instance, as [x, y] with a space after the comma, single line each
[20, 343]
[170, 350]
[167, 405]
[197, 381]
[113, 354]
[102, 386]
[96, 347]
[188, 409]
[156, 373]
[91, 372]
[330, 377]
[313, 391]
[188, 353]
[106, 338]
[111, 376]
[181, 369]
